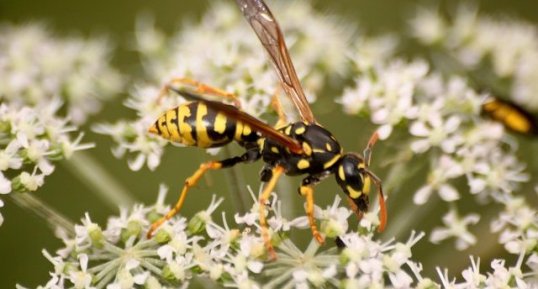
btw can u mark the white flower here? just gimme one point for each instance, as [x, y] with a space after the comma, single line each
[456, 227]
[31, 181]
[471, 41]
[428, 26]
[497, 172]
[81, 279]
[32, 140]
[517, 224]
[9, 158]
[472, 276]
[5, 184]
[250, 217]
[436, 132]
[40, 67]
[333, 219]
[446, 170]
[279, 223]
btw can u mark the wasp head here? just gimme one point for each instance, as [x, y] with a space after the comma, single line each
[354, 177]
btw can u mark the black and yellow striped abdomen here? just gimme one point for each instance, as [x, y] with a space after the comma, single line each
[195, 124]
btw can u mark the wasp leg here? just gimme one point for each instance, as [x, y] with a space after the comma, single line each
[307, 190]
[249, 156]
[277, 107]
[201, 88]
[264, 197]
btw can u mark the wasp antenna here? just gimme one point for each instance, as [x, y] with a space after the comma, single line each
[382, 210]
[368, 150]
[382, 205]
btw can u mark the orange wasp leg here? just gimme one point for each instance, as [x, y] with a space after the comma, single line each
[201, 88]
[308, 193]
[189, 183]
[277, 107]
[264, 197]
[249, 156]
[382, 205]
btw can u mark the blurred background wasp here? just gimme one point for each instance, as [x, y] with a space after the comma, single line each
[298, 148]
[511, 115]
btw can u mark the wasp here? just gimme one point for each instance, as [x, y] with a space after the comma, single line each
[511, 115]
[298, 148]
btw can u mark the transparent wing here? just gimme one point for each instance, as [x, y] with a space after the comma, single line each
[266, 27]
[256, 124]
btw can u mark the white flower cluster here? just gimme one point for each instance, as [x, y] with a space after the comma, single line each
[442, 117]
[508, 67]
[518, 227]
[501, 275]
[31, 140]
[37, 67]
[121, 257]
[224, 52]
[43, 78]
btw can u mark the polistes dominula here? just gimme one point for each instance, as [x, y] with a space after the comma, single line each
[511, 115]
[299, 148]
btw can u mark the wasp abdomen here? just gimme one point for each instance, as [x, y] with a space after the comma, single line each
[195, 124]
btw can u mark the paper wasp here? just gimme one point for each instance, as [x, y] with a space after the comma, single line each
[511, 115]
[299, 148]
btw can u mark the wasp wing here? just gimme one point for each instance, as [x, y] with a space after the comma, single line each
[266, 27]
[239, 115]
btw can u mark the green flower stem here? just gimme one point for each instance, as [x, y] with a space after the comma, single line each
[400, 173]
[84, 166]
[55, 220]
[236, 185]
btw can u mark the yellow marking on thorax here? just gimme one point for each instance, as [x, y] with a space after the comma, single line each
[300, 130]
[352, 193]
[162, 126]
[202, 137]
[220, 123]
[331, 161]
[287, 131]
[307, 149]
[341, 174]
[303, 164]
[275, 150]
[328, 147]
[173, 130]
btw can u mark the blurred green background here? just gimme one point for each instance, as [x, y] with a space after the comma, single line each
[23, 235]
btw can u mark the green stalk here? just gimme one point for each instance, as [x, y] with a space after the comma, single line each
[55, 220]
[92, 173]
[236, 185]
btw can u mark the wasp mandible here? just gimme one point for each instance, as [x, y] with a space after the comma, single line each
[298, 148]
